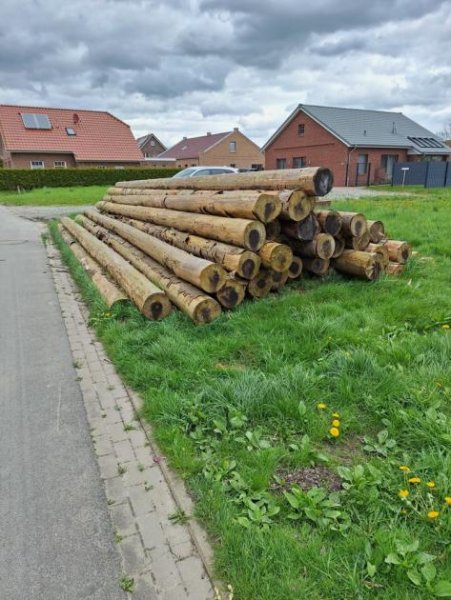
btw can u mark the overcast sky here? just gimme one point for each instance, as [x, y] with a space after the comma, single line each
[185, 67]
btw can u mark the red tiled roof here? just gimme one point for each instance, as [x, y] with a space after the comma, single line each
[99, 135]
[192, 147]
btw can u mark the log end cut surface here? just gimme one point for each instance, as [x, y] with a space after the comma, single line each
[156, 307]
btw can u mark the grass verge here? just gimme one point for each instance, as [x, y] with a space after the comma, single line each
[244, 407]
[75, 196]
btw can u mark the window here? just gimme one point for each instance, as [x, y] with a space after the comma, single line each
[299, 162]
[232, 146]
[362, 164]
[59, 164]
[152, 142]
[281, 163]
[233, 165]
[70, 131]
[388, 162]
[37, 164]
[301, 129]
[35, 121]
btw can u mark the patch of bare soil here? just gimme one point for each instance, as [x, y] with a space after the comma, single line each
[308, 478]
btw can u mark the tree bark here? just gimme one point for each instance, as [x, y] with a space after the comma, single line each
[398, 251]
[111, 293]
[232, 293]
[330, 221]
[353, 224]
[394, 268]
[244, 262]
[296, 205]
[202, 273]
[358, 264]
[322, 246]
[318, 266]
[295, 269]
[276, 256]
[304, 230]
[382, 251]
[241, 232]
[376, 230]
[148, 298]
[315, 181]
[248, 204]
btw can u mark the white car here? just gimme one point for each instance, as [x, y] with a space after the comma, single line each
[202, 171]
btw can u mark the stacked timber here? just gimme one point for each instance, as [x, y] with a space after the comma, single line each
[203, 244]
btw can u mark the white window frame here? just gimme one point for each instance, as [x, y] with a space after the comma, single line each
[59, 164]
[232, 147]
[37, 164]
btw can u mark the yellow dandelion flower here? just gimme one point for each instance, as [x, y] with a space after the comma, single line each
[431, 484]
[334, 432]
[414, 480]
[336, 423]
[403, 493]
[433, 514]
[336, 415]
[321, 405]
[448, 500]
[404, 468]
[445, 326]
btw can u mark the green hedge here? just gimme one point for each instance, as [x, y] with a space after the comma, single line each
[11, 179]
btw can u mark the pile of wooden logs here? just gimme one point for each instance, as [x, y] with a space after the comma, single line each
[204, 243]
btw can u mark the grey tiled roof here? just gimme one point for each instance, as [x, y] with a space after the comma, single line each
[372, 128]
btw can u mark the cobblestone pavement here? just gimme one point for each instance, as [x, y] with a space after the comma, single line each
[166, 559]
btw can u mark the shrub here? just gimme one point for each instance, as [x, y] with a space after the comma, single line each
[11, 179]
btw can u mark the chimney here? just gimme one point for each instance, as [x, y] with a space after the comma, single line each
[236, 129]
[184, 137]
[208, 132]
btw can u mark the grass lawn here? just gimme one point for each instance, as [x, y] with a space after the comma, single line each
[243, 409]
[55, 196]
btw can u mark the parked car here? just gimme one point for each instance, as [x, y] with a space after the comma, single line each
[202, 171]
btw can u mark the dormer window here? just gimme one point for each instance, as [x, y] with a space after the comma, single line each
[70, 131]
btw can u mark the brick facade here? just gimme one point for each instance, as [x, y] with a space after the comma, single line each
[247, 153]
[318, 147]
[152, 147]
[22, 160]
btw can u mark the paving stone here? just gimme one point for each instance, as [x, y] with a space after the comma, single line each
[108, 466]
[141, 501]
[123, 519]
[124, 452]
[144, 589]
[195, 579]
[115, 490]
[116, 432]
[133, 555]
[136, 476]
[152, 534]
[103, 447]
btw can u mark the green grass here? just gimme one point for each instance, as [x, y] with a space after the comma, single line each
[54, 196]
[235, 403]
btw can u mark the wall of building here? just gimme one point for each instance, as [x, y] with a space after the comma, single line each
[246, 155]
[22, 160]
[106, 165]
[150, 151]
[320, 148]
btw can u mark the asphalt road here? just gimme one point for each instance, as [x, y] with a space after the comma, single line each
[56, 539]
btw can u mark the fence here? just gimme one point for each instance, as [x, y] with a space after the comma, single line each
[430, 173]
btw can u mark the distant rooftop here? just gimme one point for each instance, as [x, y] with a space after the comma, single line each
[193, 147]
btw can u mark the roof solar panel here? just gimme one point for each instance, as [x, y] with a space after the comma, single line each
[36, 121]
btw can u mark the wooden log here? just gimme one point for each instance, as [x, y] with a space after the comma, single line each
[241, 232]
[260, 286]
[295, 269]
[398, 251]
[304, 230]
[339, 247]
[296, 205]
[111, 293]
[279, 279]
[149, 299]
[394, 268]
[315, 181]
[276, 256]
[273, 231]
[353, 224]
[359, 242]
[248, 204]
[192, 301]
[330, 221]
[318, 266]
[205, 274]
[237, 260]
[376, 230]
[382, 251]
[322, 246]
[358, 264]
[232, 293]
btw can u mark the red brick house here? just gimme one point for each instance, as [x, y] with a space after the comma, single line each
[150, 145]
[359, 146]
[55, 138]
[231, 148]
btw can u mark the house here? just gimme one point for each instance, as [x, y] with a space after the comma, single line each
[150, 145]
[55, 138]
[359, 146]
[231, 148]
